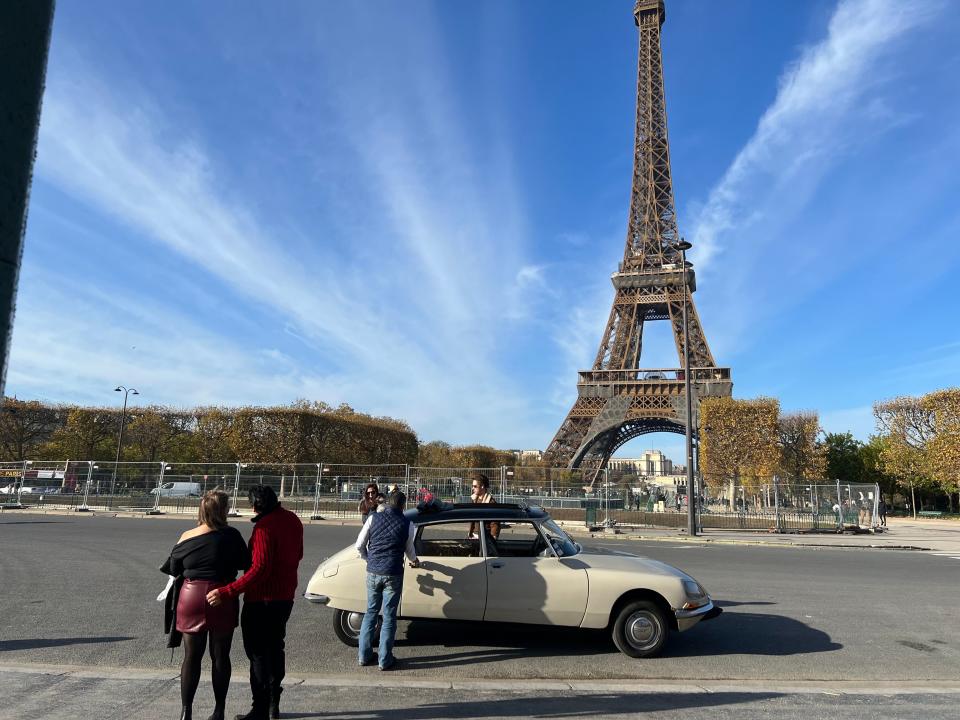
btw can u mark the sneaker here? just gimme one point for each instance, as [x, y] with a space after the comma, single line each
[390, 664]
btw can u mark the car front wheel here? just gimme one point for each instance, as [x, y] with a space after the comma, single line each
[640, 630]
[346, 626]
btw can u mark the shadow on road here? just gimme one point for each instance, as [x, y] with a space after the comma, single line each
[34, 643]
[736, 633]
[551, 706]
[733, 633]
[495, 642]
[735, 603]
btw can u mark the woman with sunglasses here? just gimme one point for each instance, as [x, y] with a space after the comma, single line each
[369, 502]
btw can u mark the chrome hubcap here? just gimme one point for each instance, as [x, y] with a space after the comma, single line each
[642, 630]
[352, 622]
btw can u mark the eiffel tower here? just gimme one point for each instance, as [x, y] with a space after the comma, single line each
[616, 399]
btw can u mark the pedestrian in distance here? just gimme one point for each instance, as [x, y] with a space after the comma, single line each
[368, 503]
[882, 511]
[204, 559]
[268, 587]
[383, 541]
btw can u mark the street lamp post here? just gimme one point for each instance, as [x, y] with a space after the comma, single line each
[682, 246]
[123, 418]
[316, 493]
[86, 490]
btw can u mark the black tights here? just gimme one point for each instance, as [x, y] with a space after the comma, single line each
[193, 646]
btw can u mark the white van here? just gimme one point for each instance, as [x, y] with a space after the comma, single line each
[178, 489]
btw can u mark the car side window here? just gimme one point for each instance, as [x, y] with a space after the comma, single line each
[520, 539]
[447, 540]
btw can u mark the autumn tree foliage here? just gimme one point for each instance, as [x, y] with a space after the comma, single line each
[802, 457]
[25, 426]
[739, 441]
[907, 426]
[443, 455]
[943, 449]
[921, 440]
[301, 432]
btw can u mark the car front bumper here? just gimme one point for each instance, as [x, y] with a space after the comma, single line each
[315, 598]
[686, 619]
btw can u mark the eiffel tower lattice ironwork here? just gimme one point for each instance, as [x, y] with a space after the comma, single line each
[616, 399]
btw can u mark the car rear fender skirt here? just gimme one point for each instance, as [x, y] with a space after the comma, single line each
[650, 595]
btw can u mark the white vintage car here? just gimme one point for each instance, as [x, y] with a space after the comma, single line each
[507, 563]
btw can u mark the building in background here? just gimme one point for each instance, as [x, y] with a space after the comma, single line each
[650, 463]
[528, 457]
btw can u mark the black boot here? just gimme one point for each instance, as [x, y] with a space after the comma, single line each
[218, 711]
[275, 703]
[186, 713]
[256, 713]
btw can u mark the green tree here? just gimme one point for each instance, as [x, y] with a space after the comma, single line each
[844, 457]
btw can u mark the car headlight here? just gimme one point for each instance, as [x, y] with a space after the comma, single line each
[696, 595]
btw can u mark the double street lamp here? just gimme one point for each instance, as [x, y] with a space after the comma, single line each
[127, 392]
[682, 246]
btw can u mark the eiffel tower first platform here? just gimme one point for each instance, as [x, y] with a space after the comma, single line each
[618, 400]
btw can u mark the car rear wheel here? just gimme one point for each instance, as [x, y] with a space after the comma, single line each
[640, 630]
[346, 626]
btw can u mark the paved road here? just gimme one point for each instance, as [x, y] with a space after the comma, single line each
[80, 590]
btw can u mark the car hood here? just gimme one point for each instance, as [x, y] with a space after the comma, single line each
[628, 564]
[348, 553]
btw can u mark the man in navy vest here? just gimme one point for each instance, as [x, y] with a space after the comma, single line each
[385, 538]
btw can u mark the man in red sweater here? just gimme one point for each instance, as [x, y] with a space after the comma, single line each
[276, 547]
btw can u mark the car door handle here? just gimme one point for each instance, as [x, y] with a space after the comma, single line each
[496, 565]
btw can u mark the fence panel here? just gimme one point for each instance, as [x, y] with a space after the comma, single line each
[615, 497]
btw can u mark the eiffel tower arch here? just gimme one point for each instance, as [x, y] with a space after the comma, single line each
[618, 399]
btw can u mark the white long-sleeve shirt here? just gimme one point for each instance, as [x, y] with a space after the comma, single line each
[364, 536]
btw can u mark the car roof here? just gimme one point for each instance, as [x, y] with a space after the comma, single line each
[471, 511]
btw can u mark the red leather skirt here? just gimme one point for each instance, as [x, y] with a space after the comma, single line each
[194, 614]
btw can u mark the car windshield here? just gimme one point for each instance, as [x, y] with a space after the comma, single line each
[561, 542]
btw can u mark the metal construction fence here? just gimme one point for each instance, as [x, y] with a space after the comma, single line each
[323, 490]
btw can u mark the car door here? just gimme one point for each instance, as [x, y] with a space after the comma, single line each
[451, 581]
[528, 583]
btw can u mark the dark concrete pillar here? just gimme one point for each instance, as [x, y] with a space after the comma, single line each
[25, 27]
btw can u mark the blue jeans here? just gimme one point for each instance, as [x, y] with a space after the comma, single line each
[383, 591]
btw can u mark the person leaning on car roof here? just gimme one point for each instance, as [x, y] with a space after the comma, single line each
[480, 484]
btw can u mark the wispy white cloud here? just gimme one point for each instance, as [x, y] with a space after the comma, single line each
[405, 325]
[807, 127]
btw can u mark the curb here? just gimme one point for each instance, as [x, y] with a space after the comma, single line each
[784, 541]
[829, 686]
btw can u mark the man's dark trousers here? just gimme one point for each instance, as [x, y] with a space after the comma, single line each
[264, 625]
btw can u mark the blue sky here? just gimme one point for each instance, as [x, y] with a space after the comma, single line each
[415, 207]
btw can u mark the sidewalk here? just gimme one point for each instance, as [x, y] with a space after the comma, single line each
[942, 536]
[66, 692]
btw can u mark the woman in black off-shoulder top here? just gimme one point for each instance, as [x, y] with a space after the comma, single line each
[207, 557]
